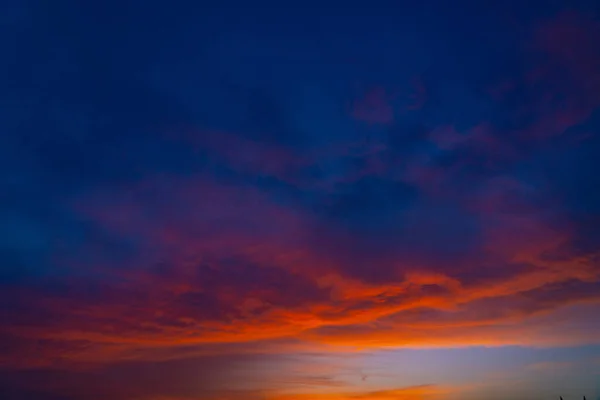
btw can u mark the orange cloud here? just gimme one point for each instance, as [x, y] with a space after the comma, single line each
[274, 286]
[409, 393]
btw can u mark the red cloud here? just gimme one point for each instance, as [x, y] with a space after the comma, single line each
[224, 264]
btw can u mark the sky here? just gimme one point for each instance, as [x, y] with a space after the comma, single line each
[273, 201]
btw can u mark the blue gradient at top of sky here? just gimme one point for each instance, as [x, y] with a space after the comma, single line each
[335, 134]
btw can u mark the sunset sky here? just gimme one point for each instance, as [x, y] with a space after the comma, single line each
[275, 201]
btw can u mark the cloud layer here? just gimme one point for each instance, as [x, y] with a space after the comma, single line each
[211, 209]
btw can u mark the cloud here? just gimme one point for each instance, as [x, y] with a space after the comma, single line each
[415, 392]
[224, 264]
